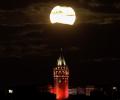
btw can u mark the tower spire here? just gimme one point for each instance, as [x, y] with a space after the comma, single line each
[61, 60]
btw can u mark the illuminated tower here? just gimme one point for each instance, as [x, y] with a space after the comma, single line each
[61, 75]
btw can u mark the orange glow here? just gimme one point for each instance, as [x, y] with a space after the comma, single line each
[52, 91]
[61, 88]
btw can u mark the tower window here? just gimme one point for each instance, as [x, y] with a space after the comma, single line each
[59, 81]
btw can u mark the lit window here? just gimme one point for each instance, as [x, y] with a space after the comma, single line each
[10, 91]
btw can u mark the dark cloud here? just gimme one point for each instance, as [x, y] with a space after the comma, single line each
[39, 14]
[24, 33]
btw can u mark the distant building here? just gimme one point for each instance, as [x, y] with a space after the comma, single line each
[82, 90]
[61, 75]
[73, 91]
[89, 89]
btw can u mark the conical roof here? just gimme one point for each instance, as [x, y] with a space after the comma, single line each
[61, 60]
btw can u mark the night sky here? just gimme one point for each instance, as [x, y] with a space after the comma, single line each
[30, 44]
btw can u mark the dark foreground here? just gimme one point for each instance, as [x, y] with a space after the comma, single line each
[52, 97]
[32, 95]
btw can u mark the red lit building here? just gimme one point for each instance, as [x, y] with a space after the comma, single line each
[61, 75]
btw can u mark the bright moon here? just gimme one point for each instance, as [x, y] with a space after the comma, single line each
[63, 15]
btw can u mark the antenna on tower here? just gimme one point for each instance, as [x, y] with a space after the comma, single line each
[61, 54]
[61, 49]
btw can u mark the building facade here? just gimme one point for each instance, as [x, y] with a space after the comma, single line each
[61, 79]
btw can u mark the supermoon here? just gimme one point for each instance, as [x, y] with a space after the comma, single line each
[62, 15]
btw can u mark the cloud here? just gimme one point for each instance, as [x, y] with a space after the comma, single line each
[38, 14]
[25, 40]
[88, 16]
[73, 48]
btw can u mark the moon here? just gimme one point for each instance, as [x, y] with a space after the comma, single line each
[63, 15]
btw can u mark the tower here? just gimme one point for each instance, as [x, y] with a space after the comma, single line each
[61, 75]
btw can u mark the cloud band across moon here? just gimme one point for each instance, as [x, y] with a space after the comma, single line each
[39, 14]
